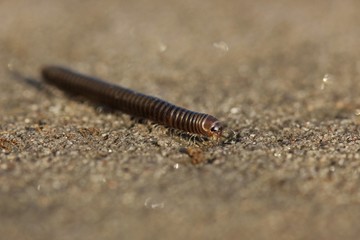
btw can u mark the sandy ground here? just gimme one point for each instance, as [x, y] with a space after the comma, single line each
[284, 75]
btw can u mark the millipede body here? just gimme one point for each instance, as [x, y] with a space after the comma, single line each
[132, 102]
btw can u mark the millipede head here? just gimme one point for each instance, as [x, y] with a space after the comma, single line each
[216, 130]
[213, 127]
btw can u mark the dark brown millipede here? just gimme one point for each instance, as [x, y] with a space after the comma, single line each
[133, 103]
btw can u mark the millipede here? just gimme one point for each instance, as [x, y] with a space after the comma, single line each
[132, 102]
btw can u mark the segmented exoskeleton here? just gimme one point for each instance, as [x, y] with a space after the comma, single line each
[132, 102]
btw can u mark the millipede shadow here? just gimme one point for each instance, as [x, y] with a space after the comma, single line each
[31, 82]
